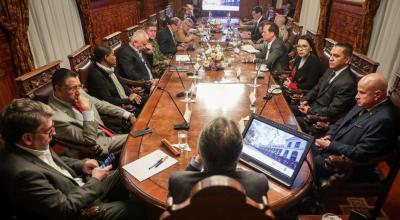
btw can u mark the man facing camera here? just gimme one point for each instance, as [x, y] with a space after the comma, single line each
[334, 93]
[77, 118]
[255, 33]
[219, 147]
[367, 131]
[273, 52]
[42, 185]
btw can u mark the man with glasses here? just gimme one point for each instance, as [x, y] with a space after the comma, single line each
[42, 185]
[77, 116]
[255, 33]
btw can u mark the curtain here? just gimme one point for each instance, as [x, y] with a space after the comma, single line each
[297, 11]
[87, 21]
[384, 45]
[309, 15]
[16, 23]
[55, 30]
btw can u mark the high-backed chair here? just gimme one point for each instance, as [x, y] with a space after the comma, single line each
[341, 184]
[80, 62]
[37, 85]
[130, 30]
[162, 19]
[142, 23]
[217, 197]
[152, 18]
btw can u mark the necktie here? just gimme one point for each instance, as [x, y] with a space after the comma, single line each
[145, 64]
[267, 54]
[332, 76]
[101, 127]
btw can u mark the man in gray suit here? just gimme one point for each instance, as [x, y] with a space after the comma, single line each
[273, 52]
[220, 145]
[42, 185]
[77, 118]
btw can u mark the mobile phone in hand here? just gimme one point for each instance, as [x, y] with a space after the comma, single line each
[110, 158]
[140, 132]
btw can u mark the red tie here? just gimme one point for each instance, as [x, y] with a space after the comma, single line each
[104, 129]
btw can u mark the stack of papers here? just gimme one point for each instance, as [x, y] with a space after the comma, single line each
[249, 48]
[182, 58]
[144, 168]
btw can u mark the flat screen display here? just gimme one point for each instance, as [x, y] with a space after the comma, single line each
[221, 5]
[274, 149]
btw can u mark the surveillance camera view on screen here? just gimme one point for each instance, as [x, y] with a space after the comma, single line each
[273, 147]
[221, 5]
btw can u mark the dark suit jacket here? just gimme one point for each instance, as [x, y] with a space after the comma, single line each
[308, 75]
[181, 183]
[101, 86]
[37, 188]
[166, 42]
[255, 33]
[130, 65]
[277, 58]
[334, 99]
[367, 136]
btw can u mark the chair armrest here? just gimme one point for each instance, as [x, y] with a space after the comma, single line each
[93, 212]
[136, 83]
[94, 150]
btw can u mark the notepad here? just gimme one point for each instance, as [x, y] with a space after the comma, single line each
[140, 167]
[183, 58]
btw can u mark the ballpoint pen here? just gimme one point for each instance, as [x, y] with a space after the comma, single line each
[159, 162]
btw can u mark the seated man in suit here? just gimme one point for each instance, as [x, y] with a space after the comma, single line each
[105, 84]
[219, 147]
[160, 62]
[255, 34]
[77, 118]
[273, 52]
[334, 93]
[134, 60]
[43, 185]
[166, 39]
[182, 35]
[190, 13]
[368, 130]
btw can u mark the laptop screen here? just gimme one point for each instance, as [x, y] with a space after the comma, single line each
[274, 149]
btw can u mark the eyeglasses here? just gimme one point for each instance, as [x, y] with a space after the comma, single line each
[73, 88]
[50, 131]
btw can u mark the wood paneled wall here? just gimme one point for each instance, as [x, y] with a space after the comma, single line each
[344, 21]
[8, 86]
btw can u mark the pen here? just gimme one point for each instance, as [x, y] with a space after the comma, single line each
[159, 162]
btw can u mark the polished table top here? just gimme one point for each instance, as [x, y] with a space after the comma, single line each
[219, 93]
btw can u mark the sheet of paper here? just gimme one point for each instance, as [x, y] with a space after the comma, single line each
[183, 58]
[252, 97]
[186, 147]
[249, 48]
[140, 167]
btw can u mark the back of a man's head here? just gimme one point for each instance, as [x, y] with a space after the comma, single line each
[220, 145]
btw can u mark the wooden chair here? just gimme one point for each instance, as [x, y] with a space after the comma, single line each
[341, 184]
[153, 18]
[80, 62]
[130, 30]
[162, 19]
[37, 85]
[217, 197]
[142, 23]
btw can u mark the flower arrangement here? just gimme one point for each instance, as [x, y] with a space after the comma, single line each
[216, 26]
[214, 58]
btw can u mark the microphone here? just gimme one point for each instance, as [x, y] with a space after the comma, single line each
[179, 94]
[184, 126]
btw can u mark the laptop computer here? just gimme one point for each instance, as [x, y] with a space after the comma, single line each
[274, 149]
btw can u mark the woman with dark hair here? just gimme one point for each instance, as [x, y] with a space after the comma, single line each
[105, 84]
[307, 67]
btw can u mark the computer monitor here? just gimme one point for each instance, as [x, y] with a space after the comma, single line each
[274, 149]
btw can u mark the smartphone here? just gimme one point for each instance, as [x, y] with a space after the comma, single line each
[110, 158]
[140, 132]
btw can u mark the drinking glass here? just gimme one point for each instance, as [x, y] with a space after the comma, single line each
[182, 139]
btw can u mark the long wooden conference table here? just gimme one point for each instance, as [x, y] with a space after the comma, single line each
[219, 93]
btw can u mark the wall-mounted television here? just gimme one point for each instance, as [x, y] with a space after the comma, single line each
[221, 5]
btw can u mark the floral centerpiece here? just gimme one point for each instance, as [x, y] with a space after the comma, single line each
[216, 26]
[214, 58]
